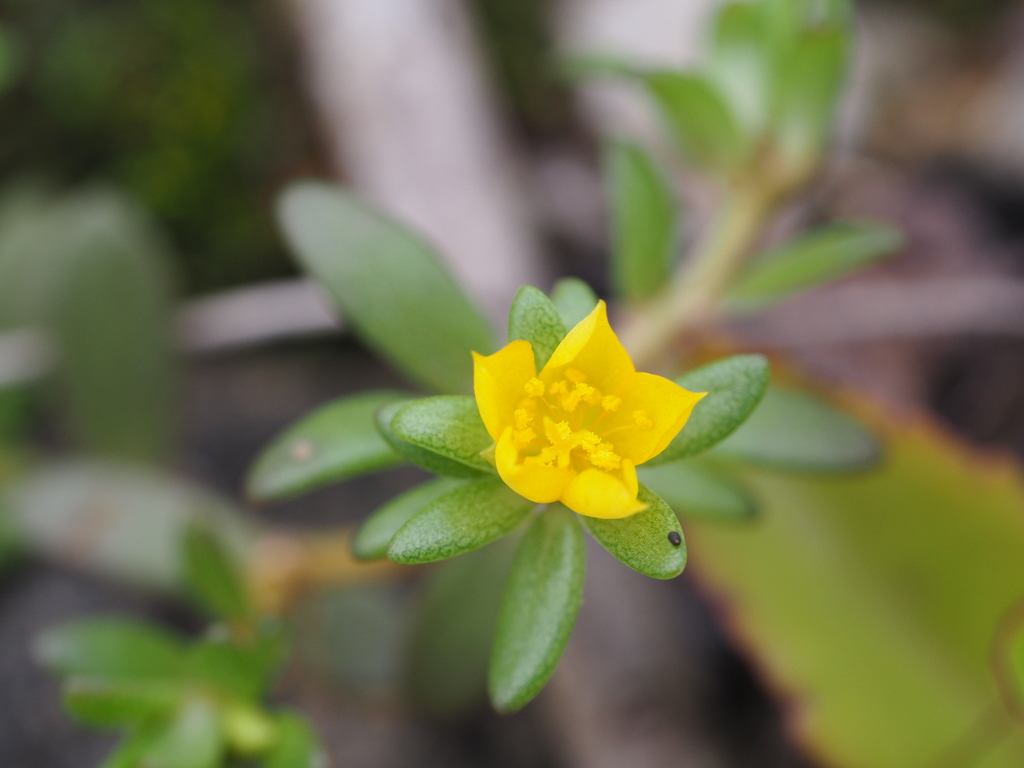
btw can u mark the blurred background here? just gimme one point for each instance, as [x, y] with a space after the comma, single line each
[168, 128]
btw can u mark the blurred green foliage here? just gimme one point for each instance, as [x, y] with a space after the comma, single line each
[184, 704]
[191, 105]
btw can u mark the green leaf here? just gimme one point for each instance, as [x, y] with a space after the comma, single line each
[700, 119]
[243, 669]
[375, 534]
[574, 300]
[808, 87]
[390, 285]
[818, 257]
[448, 425]
[696, 492]
[110, 310]
[213, 576]
[643, 221]
[735, 386]
[474, 514]
[421, 457]
[873, 599]
[335, 442]
[538, 611]
[641, 541]
[193, 740]
[248, 729]
[31, 257]
[12, 547]
[795, 430]
[11, 55]
[115, 357]
[240, 670]
[111, 648]
[132, 749]
[452, 642]
[16, 414]
[742, 62]
[297, 745]
[534, 318]
[106, 703]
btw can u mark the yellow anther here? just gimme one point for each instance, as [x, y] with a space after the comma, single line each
[594, 398]
[605, 460]
[523, 437]
[571, 400]
[556, 432]
[575, 376]
[534, 388]
[611, 402]
[522, 418]
[589, 440]
[642, 419]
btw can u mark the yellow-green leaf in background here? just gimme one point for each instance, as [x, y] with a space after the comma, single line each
[871, 600]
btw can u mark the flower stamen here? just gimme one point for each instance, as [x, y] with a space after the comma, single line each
[522, 418]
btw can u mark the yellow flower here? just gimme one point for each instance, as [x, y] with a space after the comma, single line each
[576, 431]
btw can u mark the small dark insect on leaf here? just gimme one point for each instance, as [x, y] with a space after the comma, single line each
[674, 538]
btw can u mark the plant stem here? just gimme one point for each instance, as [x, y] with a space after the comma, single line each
[699, 284]
[285, 566]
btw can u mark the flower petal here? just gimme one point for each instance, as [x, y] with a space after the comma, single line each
[596, 493]
[532, 481]
[663, 402]
[499, 381]
[593, 349]
[628, 472]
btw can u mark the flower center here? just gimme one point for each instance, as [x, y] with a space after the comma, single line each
[560, 424]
